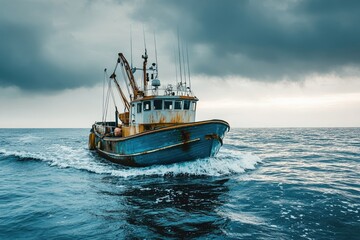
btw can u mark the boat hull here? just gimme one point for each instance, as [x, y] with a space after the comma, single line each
[184, 142]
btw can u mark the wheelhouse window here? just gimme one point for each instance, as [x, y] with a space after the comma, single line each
[178, 104]
[147, 105]
[158, 104]
[139, 108]
[168, 105]
[186, 105]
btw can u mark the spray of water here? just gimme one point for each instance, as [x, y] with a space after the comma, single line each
[226, 163]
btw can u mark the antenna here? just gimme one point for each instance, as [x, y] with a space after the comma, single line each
[156, 59]
[179, 55]
[176, 73]
[145, 57]
[187, 56]
[144, 38]
[131, 53]
[183, 58]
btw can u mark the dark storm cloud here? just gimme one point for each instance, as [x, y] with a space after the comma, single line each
[23, 62]
[262, 39]
[25, 30]
[255, 39]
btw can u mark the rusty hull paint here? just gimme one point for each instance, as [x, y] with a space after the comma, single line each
[185, 138]
[154, 116]
[163, 116]
[177, 143]
[173, 126]
[214, 136]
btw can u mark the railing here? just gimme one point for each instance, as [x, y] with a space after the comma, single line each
[104, 127]
[169, 91]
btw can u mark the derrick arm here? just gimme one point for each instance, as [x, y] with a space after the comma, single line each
[130, 76]
[123, 98]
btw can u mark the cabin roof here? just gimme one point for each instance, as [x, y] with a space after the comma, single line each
[166, 97]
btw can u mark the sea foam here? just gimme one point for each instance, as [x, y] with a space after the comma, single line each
[225, 163]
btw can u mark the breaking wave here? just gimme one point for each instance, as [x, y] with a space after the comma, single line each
[227, 162]
[217, 166]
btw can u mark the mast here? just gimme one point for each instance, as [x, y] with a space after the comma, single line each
[179, 58]
[131, 53]
[157, 66]
[187, 56]
[145, 57]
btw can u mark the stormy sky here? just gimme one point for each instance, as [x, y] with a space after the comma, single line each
[57, 50]
[265, 40]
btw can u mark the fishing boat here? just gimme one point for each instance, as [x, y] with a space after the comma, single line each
[158, 124]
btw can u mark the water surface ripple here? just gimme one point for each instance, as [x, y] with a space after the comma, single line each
[295, 183]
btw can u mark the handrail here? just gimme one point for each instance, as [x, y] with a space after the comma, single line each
[168, 92]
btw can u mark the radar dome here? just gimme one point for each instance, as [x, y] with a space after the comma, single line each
[155, 83]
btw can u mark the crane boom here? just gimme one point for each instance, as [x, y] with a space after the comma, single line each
[136, 91]
[123, 98]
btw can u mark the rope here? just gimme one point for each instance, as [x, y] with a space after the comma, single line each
[103, 102]
[109, 93]
[107, 100]
[112, 96]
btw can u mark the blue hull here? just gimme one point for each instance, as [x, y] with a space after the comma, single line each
[168, 145]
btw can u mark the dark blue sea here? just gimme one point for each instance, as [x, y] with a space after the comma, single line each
[295, 183]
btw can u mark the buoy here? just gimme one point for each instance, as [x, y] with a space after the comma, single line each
[92, 141]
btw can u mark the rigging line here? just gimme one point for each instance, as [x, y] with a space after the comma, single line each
[187, 56]
[183, 58]
[108, 97]
[179, 56]
[112, 93]
[176, 73]
[131, 52]
[156, 58]
[109, 90]
[116, 65]
[123, 98]
[103, 103]
[117, 84]
[107, 100]
[112, 96]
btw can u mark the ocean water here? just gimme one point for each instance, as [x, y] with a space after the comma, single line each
[296, 183]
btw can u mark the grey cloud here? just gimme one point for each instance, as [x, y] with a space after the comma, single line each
[24, 65]
[24, 62]
[262, 39]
